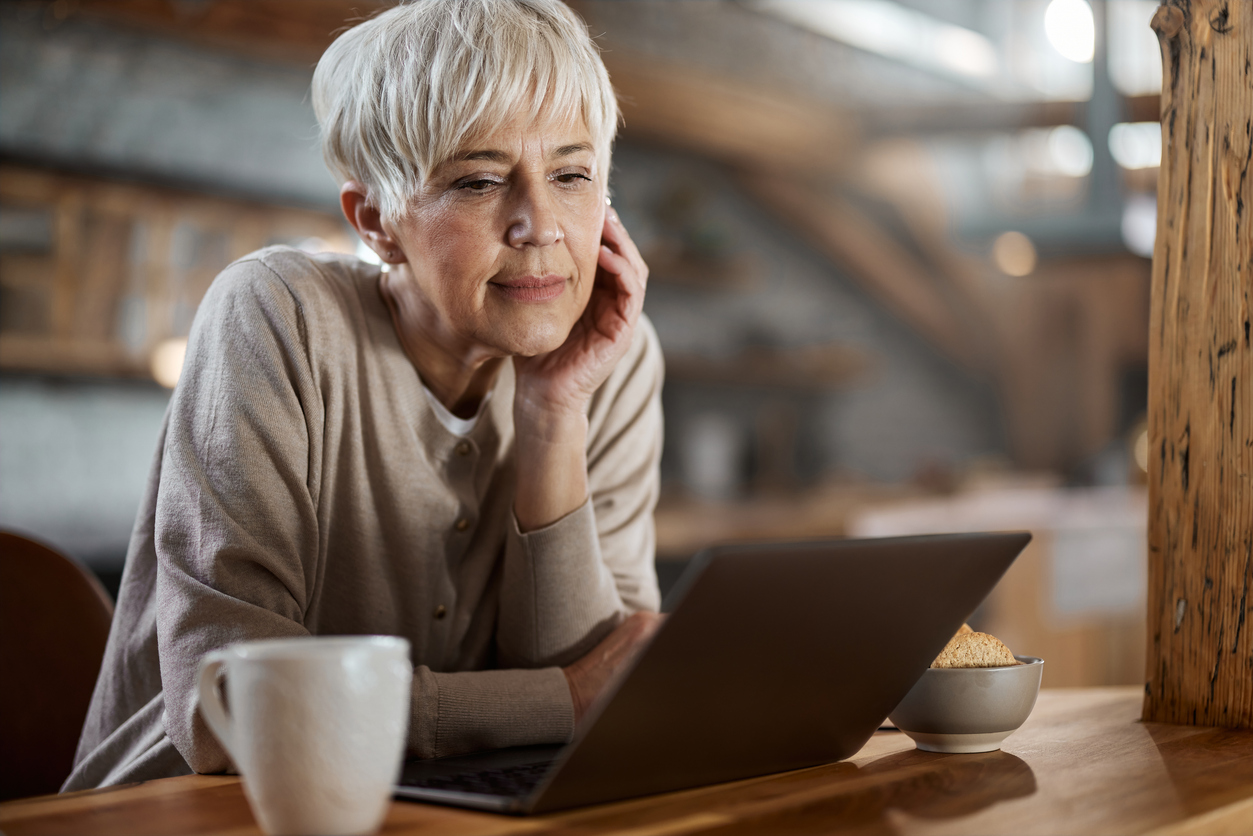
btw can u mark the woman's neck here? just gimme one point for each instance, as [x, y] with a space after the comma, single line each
[459, 376]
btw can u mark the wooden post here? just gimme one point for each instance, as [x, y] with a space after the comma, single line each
[1200, 605]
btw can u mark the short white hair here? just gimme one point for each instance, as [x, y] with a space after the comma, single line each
[403, 92]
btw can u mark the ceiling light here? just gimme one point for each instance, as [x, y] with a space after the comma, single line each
[1071, 29]
[1070, 151]
[1139, 224]
[1136, 144]
[964, 52]
[1135, 56]
[895, 31]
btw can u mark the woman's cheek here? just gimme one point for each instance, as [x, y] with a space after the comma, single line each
[586, 248]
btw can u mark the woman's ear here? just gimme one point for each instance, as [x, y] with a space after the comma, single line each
[365, 218]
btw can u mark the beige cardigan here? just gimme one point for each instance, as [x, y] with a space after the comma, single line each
[304, 485]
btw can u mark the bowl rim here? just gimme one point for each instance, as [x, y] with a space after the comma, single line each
[1027, 662]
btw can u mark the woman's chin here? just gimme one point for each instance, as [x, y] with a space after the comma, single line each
[534, 347]
[539, 338]
[532, 332]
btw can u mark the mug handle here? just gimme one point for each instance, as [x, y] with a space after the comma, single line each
[211, 699]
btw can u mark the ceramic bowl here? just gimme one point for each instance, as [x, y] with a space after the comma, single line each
[959, 710]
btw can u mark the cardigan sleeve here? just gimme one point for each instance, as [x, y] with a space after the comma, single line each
[236, 525]
[567, 585]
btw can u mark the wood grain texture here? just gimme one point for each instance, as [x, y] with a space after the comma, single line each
[1081, 764]
[1200, 636]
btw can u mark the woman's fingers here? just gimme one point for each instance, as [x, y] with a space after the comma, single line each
[621, 289]
[621, 261]
[619, 243]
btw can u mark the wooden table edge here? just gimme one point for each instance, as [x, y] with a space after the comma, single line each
[1058, 707]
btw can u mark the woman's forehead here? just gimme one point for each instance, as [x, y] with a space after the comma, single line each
[560, 134]
[547, 123]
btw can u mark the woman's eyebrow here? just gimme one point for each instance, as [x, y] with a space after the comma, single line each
[494, 156]
[488, 155]
[575, 148]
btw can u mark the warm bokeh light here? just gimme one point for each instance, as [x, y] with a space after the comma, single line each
[1141, 450]
[1071, 29]
[167, 361]
[315, 245]
[1014, 254]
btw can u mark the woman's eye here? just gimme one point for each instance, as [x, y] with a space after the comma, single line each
[571, 177]
[476, 185]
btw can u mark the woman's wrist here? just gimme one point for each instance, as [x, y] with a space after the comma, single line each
[549, 424]
[550, 448]
[547, 409]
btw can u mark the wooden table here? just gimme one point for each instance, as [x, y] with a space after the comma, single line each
[1083, 763]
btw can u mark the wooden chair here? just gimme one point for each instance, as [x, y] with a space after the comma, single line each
[54, 620]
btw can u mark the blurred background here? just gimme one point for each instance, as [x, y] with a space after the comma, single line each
[899, 251]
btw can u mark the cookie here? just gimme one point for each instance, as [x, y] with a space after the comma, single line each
[974, 650]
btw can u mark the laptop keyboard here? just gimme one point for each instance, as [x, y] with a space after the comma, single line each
[511, 781]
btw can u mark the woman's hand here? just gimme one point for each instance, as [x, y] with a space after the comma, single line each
[553, 389]
[588, 676]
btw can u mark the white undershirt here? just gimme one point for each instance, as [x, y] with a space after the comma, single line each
[455, 425]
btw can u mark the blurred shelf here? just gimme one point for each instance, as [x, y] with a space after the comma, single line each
[95, 273]
[686, 524]
[817, 368]
[69, 356]
[671, 265]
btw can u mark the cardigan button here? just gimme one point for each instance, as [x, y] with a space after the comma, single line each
[440, 612]
[463, 448]
[463, 524]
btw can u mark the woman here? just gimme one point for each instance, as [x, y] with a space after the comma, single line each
[461, 449]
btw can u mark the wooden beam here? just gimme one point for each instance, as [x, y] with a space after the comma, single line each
[285, 30]
[1200, 601]
[809, 368]
[970, 118]
[994, 116]
[737, 123]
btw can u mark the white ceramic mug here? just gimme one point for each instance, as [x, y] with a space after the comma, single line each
[316, 727]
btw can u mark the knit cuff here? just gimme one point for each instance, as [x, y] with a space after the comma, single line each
[454, 713]
[576, 528]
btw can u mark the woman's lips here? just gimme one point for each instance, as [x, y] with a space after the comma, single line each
[531, 288]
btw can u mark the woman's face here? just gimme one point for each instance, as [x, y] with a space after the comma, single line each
[502, 241]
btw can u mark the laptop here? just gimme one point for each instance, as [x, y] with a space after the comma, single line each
[775, 656]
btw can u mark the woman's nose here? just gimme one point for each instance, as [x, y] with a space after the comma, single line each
[534, 218]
